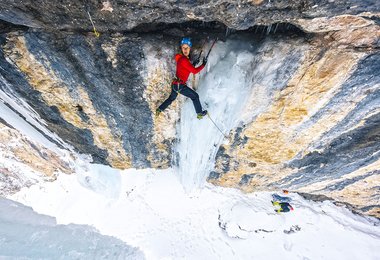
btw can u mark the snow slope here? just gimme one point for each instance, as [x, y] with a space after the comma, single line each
[23, 118]
[152, 211]
[24, 234]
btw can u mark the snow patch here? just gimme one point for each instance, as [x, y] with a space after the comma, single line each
[154, 213]
[28, 235]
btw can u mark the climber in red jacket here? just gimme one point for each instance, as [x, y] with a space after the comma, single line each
[184, 68]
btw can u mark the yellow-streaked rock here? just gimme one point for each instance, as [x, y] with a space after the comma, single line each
[257, 2]
[274, 137]
[110, 48]
[15, 146]
[335, 23]
[54, 92]
[103, 137]
[363, 38]
[158, 77]
[360, 193]
[318, 186]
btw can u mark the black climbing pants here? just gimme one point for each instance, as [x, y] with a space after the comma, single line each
[186, 91]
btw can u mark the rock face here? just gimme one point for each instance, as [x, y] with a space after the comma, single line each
[316, 131]
[320, 132]
[126, 15]
[94, 93]
[25, 162]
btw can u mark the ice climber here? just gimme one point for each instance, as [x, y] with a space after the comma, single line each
[282, 206]
[184, 68]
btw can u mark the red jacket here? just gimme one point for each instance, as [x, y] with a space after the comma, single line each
[184, 68]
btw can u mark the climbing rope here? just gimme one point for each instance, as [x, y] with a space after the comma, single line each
[208, 114]
[93, 25]
[225, 136]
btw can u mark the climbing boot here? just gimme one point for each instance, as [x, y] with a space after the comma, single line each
[158, 111]
[202, 114]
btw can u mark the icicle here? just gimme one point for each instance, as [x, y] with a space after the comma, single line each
[275, 28]
[227, 31]
[269, 29]
[256, 27]
[223, 92]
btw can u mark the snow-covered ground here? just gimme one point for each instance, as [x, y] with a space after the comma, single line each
[149, 209]
[166, 213]
[24, 234]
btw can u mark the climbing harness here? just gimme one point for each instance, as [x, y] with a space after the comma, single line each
[93, 25]
[177, 82]
[179, 90]
[208, 114]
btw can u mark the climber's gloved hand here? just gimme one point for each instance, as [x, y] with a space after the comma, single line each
[196, 62]
[204, 61]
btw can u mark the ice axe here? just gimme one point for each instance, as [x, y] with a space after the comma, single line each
[200, 54]
[212, 46]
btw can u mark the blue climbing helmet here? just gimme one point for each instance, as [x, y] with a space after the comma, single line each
[186, 41]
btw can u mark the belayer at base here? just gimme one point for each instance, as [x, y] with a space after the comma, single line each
[184, 68]
[281, 203]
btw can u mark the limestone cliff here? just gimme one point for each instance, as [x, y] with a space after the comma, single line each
[94, 93]
[315, 127]
[126, 15]
[319, 132]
